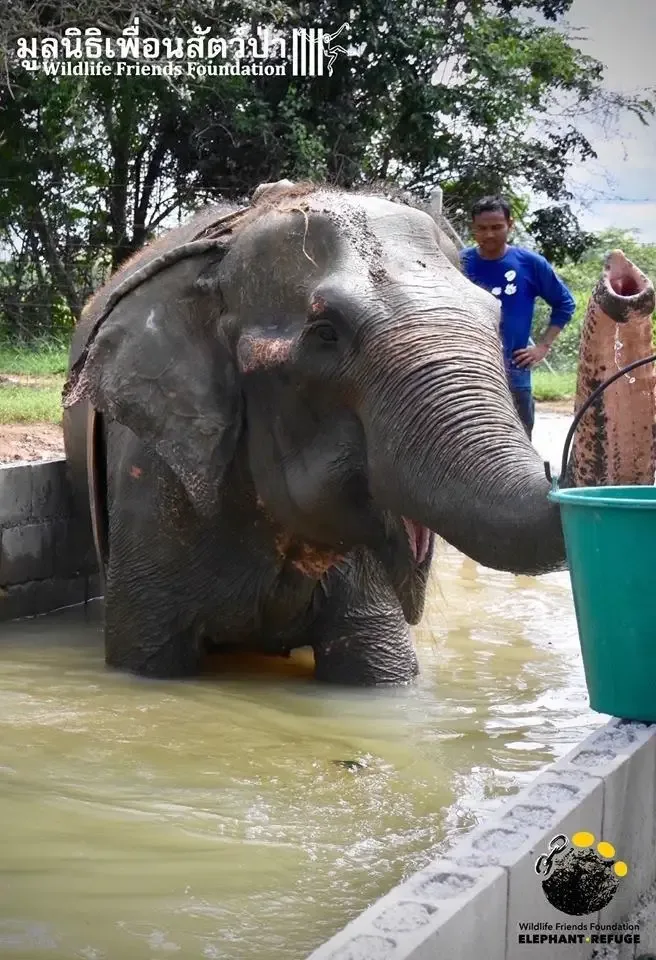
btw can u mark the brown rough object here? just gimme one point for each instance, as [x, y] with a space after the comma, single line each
[310, 561]
[262, 353]
[614, 442]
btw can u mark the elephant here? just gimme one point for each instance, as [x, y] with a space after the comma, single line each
[269, 415]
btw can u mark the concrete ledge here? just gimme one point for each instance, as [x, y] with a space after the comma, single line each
[47, 559]
[471, 904]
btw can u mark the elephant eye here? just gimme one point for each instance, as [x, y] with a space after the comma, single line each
[326, 332]
[324, 322]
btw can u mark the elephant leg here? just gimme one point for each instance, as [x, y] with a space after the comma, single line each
[361, 637]
[151, 599]
[146, 636]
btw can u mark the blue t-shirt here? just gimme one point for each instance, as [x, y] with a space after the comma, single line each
[517, 279]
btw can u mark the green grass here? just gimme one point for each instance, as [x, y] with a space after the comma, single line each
[33, 402]
[554, 386]
[41, 359]
[20, 404]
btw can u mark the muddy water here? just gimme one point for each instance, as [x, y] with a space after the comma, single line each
[209, 819]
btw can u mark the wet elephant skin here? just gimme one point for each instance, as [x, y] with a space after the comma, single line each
[287, 417]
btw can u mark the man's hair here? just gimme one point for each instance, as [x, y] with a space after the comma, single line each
[492, 205]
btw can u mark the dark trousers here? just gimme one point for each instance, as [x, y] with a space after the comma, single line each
[525, 407]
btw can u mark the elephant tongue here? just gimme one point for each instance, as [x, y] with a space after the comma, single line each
[419, 538]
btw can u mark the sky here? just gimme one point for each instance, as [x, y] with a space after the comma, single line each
[622, 35]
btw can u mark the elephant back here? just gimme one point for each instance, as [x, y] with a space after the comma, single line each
[202, 220]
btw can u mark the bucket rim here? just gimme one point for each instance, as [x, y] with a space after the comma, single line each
[595, 497]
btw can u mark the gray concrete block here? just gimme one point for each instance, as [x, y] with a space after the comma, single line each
[616, 739]
[644, 915]
[66, 556]
[41, 540]
[629, 821]
[515, 837]
[442, 911]
[42, 596]
[624, 755]
[94, 587]
[627, 951]
[526, 896]
[15, 493]
[74, 552]
[468, 922]
[50, 490]
[27, 553]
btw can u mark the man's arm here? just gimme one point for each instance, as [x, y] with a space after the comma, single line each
[554, 292]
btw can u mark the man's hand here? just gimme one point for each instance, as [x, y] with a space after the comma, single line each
[531, 356]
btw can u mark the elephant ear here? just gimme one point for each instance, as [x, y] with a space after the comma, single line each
[157, 363]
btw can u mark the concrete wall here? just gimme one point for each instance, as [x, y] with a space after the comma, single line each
[470, 905]
[46, 554]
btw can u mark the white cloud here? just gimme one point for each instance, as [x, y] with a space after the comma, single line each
[619, 188]
[640, 217]
[624, 168]
[621, 35]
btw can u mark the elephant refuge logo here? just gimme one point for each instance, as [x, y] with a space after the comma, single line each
[580, 877]
[577, 877]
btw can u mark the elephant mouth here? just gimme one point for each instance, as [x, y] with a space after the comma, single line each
[419, 539]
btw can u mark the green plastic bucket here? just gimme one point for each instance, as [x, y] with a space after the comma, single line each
[610, 539]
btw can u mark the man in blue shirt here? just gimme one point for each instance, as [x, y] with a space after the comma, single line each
[516, 276]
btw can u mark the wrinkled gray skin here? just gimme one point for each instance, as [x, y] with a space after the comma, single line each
[274, 409]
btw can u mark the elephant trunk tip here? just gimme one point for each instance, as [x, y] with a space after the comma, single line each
[625, 290]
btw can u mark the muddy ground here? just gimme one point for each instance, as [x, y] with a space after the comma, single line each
[30, 441]
[44, 441]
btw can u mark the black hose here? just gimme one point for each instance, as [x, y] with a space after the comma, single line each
[588, 403]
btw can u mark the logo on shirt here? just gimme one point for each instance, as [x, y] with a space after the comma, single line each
[510, 288]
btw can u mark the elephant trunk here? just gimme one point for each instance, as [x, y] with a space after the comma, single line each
[447, 451]
[615, 443]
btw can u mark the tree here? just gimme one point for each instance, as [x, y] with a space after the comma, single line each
[434, 91]
[559, 236]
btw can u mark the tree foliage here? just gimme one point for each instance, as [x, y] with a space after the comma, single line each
[434, 91]
[558, 235]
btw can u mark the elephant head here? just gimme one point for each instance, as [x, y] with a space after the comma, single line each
[328, 340]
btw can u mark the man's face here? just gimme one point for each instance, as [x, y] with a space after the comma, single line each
[491, 230]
